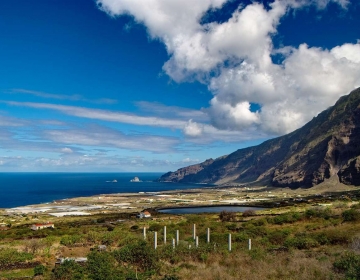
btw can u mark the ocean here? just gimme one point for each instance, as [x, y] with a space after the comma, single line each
[20, 189]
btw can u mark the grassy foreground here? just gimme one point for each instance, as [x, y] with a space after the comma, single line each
[307, 242]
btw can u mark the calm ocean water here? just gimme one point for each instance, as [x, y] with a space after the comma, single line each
[20, 189]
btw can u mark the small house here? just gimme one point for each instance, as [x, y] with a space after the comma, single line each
[80, 261]
[42, 226]
[101, 248]
[144, 214]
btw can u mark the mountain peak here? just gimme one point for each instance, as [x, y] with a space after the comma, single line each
[328, 145]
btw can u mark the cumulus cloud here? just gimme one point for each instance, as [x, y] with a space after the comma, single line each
[193, 129]
[235, 59]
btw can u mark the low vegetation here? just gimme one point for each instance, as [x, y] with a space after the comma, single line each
[312, 242]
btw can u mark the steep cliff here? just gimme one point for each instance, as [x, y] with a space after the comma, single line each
[327, 145]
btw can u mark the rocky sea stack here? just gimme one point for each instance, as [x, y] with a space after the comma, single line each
[328, 145]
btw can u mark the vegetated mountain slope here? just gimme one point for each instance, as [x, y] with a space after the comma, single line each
[327, 145]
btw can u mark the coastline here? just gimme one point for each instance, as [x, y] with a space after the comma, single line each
[196, 197]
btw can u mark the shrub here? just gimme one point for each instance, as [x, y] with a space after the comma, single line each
[138, 253]
[68, 270]
[101, 266]
[278, 237]
[332, 236]
[155, 227]
[134, 228]
[249, 213]
[290, 217]
[227, 216]
[69, 240]
[240, 237]
[231, 226]
[39, 270]
[350, 215]
[318, 212]
[349, 264]
[301, 242]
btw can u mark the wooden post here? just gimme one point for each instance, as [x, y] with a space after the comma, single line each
[249, 244]
[155, 240]
[197, 241]
[144, 233]
[194, 231]
[164, 234]
[229, 242]
[177, 237]
[208, 236]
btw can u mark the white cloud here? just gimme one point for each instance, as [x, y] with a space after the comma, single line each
[234, 59]
[190, 160]
[74, 97]
[104, 115]
[172, 111]
[193, 129]
[67, 150]
[97, 136]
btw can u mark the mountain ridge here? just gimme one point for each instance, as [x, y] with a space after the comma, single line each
[327, 145]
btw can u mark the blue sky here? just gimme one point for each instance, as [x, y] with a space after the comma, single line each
[121, 85]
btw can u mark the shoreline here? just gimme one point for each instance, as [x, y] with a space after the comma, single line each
[210, 196]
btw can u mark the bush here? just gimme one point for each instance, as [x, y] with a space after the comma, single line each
[318, 213]
[101, 266]
[226, 216]
[348, 264]
[290, 217]
[69, 240]
[350, 215]
[249, 213]
[278, 237]
[138, 253]
[301, 242]
[39, 270]
[333, 237]
[231, 226]
[68, 270]
[155, 227]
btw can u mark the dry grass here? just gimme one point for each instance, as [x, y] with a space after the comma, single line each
[240, 265]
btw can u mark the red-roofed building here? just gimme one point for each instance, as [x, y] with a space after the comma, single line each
[144, 214]
[42, 226]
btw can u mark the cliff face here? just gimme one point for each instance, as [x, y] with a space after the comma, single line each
[328, 145]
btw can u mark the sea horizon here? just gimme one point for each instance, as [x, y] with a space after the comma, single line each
[29, 188]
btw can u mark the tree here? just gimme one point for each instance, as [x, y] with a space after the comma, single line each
[226, 216]
[68, 270]
[101, 266]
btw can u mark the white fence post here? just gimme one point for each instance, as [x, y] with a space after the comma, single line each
[229, 242]
[164, 234]
[249, 244]
[177, 237]
[155, 240]
[194, 231]
[144, 233]
[208, 236]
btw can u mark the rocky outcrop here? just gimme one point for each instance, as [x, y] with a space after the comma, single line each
[304, 158]
[181, 173]
[350, 173]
